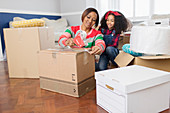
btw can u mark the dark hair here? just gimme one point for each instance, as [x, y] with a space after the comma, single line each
[89, 10]
[120, 22]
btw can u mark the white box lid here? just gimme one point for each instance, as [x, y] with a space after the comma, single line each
[132, 78]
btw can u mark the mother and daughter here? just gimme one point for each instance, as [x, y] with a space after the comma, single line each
[103, 42]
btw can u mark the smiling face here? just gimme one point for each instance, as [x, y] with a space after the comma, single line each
[110, 22]
[89, 20]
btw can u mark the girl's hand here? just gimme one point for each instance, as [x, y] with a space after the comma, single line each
[69, 42]
[95, 50]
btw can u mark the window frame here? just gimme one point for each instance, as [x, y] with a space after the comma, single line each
[115, 4]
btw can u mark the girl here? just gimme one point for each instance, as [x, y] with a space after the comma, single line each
[112, 24]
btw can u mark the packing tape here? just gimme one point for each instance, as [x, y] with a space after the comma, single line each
[85, 59]
[67, 48]
[54, 55]
[20, 35]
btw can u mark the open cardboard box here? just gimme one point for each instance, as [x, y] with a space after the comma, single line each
[156, 62]
[69, 72]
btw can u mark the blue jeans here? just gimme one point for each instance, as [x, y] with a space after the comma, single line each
[109, 54]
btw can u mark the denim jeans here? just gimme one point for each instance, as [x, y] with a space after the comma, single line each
[109, 54]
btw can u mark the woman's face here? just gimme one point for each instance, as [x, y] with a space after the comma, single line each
[90, 20]
[110, 22]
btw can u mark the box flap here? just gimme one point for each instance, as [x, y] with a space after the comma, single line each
[123, 59]
[132, 78]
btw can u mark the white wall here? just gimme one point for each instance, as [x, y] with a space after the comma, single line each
[73, 9]
[70, 9]
[42, 6]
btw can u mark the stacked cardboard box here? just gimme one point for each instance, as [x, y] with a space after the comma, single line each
[70, 72]
[123, 39]
[22, 46]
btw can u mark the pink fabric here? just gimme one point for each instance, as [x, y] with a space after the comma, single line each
[111, 12]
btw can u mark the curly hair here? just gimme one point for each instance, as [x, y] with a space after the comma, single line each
[120, 23]
[89, 10]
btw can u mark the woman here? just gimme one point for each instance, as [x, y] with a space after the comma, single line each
[90, 38]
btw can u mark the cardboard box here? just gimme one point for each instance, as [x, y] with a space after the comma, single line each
[156, 62]
[69, 72]
[133, 89]
[22, 46]
[123, 40]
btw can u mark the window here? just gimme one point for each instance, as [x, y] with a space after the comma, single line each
[141, 8]
[161, 7]
[126, 7]
[134, 9]
[102, 7]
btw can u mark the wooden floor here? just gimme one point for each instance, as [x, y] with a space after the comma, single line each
[25, 96]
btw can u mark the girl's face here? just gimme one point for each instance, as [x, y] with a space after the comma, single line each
[110, 22]
[89, 20]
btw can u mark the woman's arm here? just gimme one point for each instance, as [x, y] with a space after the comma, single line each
[65, 39]
[99, 45]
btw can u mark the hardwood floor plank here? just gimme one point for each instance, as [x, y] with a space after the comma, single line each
[25, 96]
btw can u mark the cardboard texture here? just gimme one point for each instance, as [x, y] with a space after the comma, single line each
[22, 46]
[68, 88]
[69, 66]
[156, 62]
[119, 90]
[123, 40]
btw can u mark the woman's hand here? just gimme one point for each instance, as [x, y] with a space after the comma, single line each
[95, 50]
[69, 42]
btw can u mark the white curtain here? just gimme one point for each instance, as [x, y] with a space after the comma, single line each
[134, 9]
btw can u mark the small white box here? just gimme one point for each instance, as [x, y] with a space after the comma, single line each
[133, 89]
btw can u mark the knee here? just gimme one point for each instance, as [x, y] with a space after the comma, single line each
[111, 50]
[102, 67]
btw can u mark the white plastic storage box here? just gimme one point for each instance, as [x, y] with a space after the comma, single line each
[133, 89]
